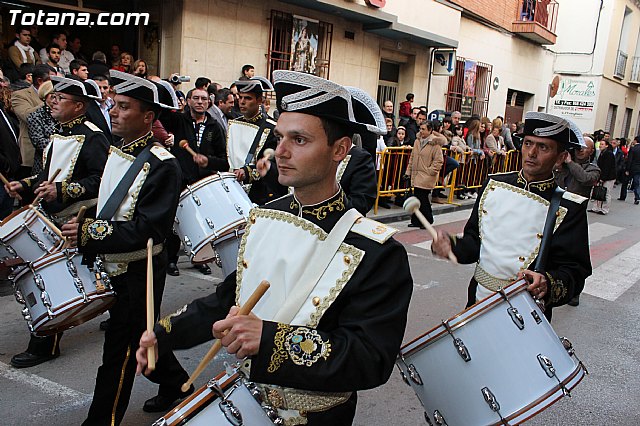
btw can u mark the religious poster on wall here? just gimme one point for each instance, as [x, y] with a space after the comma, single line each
[468, 88]
[304, 44]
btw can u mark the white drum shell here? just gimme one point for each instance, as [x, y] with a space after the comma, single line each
[227, 249]
[67, 303]
[207, 411]
[208, 210]
[14, 234]
[503, 358]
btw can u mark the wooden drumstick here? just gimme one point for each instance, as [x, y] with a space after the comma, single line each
[184, 144]
[244, 310]
[151, 350]
[79, 218]
[6, 182]
[50, 181]
[46, 220]
[412, 205]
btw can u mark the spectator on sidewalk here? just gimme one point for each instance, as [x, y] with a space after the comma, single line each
[59, 38]
[578, 174]
[633, 168]
[21, 51]
[607, 164]
[424, 166]
[405, 109]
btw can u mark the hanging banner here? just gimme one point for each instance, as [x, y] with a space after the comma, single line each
[304, 44]
[468, 88]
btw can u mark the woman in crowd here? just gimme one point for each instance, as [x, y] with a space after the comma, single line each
[140, 68]
[42, 125]
[607, 164]
[494, 143]
[424, 166]
[126, 63]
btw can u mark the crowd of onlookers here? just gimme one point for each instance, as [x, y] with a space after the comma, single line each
[608, 162]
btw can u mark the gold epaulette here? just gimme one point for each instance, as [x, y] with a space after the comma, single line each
[373, 230]
[578, 199]
[92, 126]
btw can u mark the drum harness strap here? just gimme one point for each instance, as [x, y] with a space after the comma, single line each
[549, 224]
[251, 154]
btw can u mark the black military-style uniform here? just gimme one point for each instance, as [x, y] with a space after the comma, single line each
[84, 181]
[122, 244]
[363, 327]
[73, 192]
[568, 262]
[267, 188]
[357, 177]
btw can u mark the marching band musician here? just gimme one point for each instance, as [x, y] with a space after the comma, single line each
[138, 199]
[247, 139]
[80, 151]
[334, 317]
[504, 232]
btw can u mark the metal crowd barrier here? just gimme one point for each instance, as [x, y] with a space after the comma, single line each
[471, 173]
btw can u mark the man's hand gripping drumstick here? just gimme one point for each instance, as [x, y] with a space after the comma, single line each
[149, 339]
[441, 245]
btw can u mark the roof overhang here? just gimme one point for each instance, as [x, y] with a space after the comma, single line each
[376, 21]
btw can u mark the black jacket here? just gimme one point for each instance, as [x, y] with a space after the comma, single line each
[607, 164]
[358, 180]
[9, 149]
[633, 160]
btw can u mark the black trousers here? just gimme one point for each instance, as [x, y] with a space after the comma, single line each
[115, 376]
[425, 206]
[624, 185]
[173, 247]
[49, 345]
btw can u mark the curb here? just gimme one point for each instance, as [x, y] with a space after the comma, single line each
[402, 215]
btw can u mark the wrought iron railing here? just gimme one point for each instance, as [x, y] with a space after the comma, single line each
[544, 12]
[635, 69]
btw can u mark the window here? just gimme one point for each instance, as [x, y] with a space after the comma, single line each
[478, 102]
[626, 122]
[611, 118]
[280, 36]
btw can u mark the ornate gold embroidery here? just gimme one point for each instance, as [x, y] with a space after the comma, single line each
[99, 229]
[69, 124]
[84, 238]
[138, 143]
[321, 212]
[305, 346]
[279, 354]
[294, 205]
[73, 189]
[380, 229]
[543, 186]
[166, 321]
[557, 289]
[134, 197]
[342, 167]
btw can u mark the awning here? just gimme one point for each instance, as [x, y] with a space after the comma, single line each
[376, 21]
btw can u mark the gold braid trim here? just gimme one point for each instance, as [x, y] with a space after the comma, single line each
[279, 354]
[557, 289]
[84, 238]
[321, 212]
[166, 321]
[69, 124]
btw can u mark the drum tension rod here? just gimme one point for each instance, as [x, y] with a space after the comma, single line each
[516, 317]
[548, 368]
[230, 411]
[493, 403]
[572, 353]
[458, 343]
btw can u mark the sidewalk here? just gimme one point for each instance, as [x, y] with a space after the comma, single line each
[397, 214]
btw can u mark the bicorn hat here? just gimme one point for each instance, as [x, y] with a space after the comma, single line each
[255, 84]
[551, 126]
[309, 94]
[158, 93]
[76, 87]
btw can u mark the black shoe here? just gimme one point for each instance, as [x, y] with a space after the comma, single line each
[575, 301]
[622, 199]
[104, 325]
[413, 225]
[26, 359]
[204, 269]
[636, 202]
[172, 269]
[161, 403]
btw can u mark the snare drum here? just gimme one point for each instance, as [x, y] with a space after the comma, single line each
[58, 292]
[206, 406]
[497, 361]
[209, 210]
[28, 235]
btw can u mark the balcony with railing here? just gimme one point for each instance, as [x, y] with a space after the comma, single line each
[635, 71]
[536, 20]
[621, 65]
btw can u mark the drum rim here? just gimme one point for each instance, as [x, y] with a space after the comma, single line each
[108, 294]
[29, 219]
[212, 239]
[205, 181]
[49, 258]
[579, 370]
[61, 308]
[467, 315]
[202, 402]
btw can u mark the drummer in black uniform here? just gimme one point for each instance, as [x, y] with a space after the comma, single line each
[138, 199]
[510, 214]
[333, 319]
[248, 137]
[80, 150]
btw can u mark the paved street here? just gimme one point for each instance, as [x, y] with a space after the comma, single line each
[604, 330]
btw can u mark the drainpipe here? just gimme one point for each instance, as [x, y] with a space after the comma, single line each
[431, 54]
